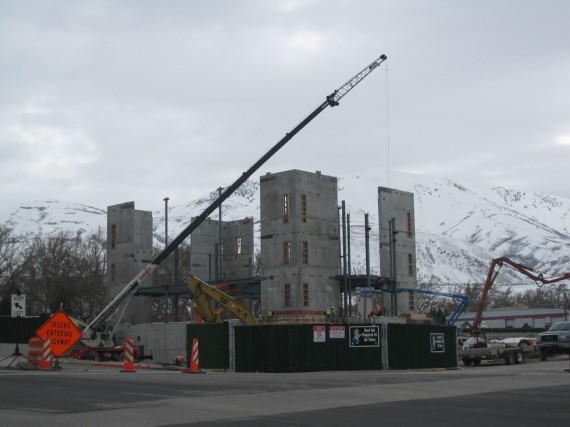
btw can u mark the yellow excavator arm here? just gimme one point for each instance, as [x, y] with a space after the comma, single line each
[202, 292]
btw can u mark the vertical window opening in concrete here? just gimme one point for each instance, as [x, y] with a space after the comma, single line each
[410, 265]
[113, 236]
[222, 248]
[303, 208]
[305, 294]
[409, 224]
[287, 294]
[113, 273]
[411, 302]
[286, 209]
[287, 252]
[305, 252]
[238, 247]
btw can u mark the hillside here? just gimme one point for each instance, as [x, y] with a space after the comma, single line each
[459, 227]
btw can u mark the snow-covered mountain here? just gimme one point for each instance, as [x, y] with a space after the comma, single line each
[459, 228]
[52, 216]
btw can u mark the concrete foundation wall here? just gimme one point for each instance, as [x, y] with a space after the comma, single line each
[163, 340]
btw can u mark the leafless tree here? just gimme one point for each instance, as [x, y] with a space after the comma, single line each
[11, 260]
[64, 271]
[10, 255]
[91, 266]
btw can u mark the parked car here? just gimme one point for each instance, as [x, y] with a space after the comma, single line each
[556, 340]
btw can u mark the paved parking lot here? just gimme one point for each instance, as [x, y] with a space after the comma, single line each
[495, 394]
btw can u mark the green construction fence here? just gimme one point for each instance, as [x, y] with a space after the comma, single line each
[421, 346]
[213, 340]
[19, 330]
[305, 348]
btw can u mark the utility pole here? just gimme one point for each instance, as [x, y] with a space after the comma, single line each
[221, 240]
[167, 270]
[176, 279]
[393, 265]
[367, 245]
[349, 262]
[565, 302]
[344, 266]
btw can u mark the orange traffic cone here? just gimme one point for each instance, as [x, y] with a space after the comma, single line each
[34, 351]
[194, 360]
[45, 363]
[129, 365]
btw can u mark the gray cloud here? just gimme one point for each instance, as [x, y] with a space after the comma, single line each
[104, 102]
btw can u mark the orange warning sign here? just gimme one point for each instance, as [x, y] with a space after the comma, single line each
[61, 331]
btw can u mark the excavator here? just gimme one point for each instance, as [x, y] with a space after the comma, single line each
[203, 292]
[102, 348]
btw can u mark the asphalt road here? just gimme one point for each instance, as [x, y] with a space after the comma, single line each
[535, 393]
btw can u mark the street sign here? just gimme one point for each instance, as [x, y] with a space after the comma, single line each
[61, 331]
[365, 291]
[18, 305]
[319, 334]
[336, 331]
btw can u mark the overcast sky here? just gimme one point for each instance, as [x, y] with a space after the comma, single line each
[103, 102]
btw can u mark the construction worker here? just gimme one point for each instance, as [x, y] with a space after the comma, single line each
[376, 311]
[328, 314]
[260, 319]
[270, 316]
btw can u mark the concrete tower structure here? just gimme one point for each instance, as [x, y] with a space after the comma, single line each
[398, 258]
[232, 259]
[129, 250]
[299, 245]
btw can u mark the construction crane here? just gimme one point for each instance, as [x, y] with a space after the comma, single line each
[492, 275]
[129, 290]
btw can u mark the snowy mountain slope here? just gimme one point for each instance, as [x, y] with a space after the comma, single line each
[459, 229]
[514, 228]
[477, 224]
[52, 216]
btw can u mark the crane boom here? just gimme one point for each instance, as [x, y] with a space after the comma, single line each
[492, 275]
[331, 100]
[463, 301]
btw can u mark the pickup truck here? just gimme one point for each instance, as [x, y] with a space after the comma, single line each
[476, 349]
[555, 340]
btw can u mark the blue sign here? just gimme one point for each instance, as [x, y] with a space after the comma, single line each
[365, 292]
